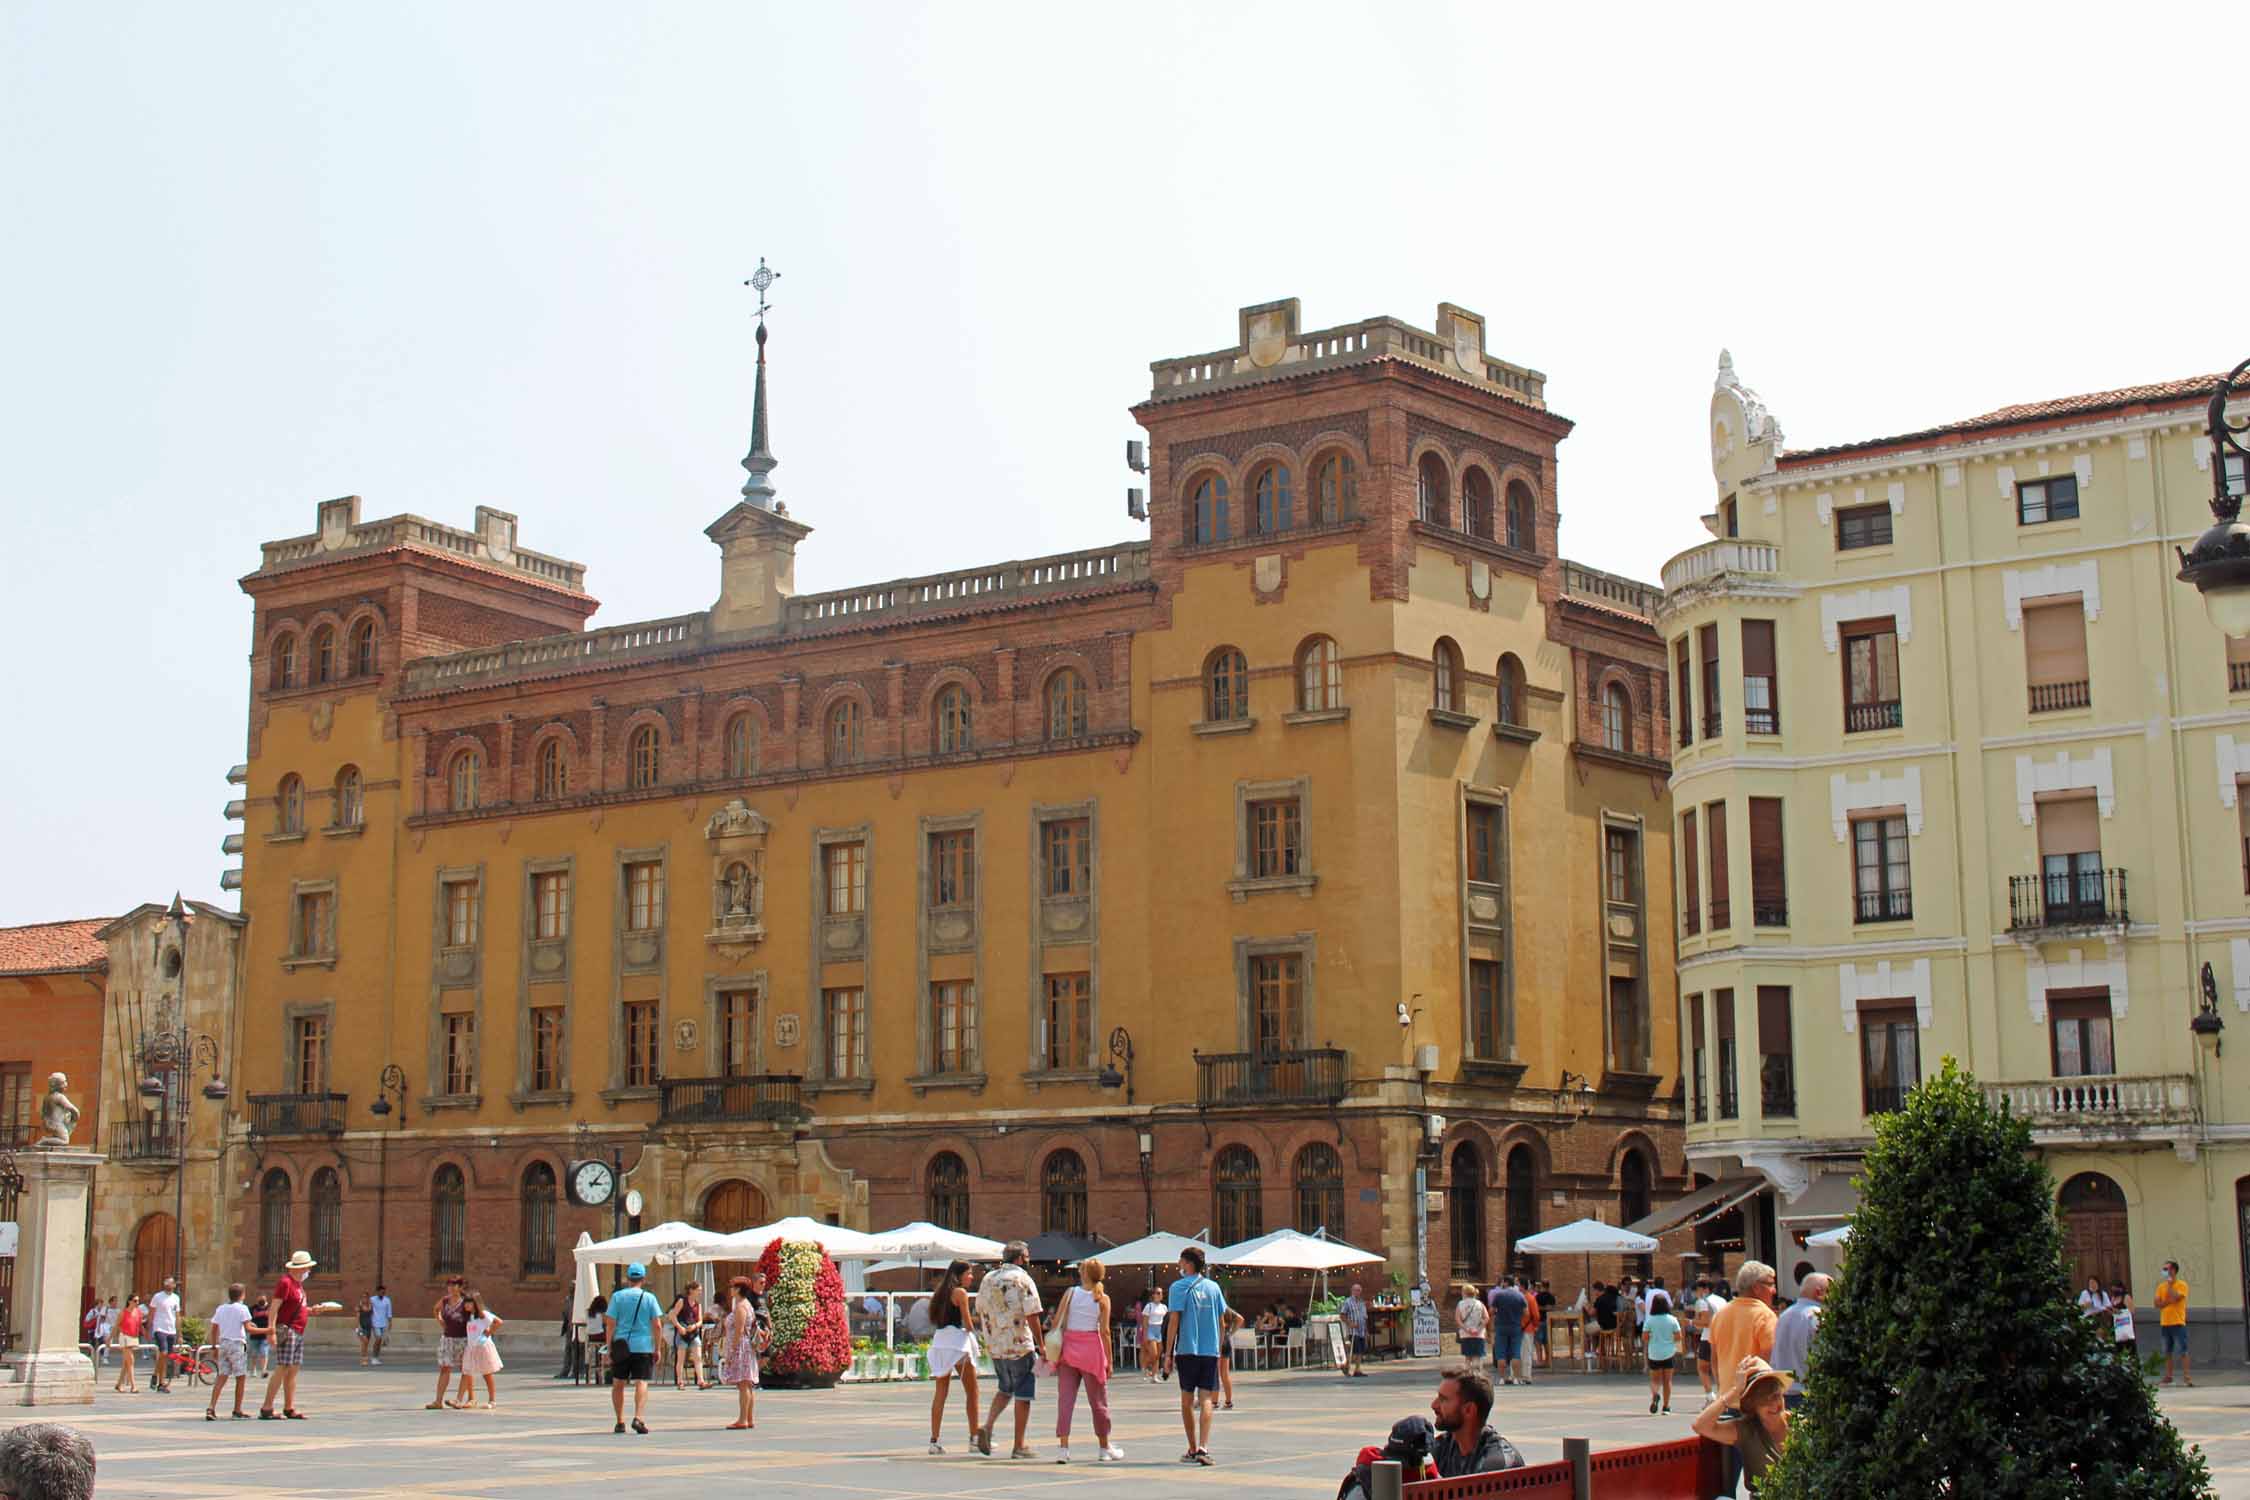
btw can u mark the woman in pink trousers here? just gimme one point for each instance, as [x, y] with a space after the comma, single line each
[1083, 1319]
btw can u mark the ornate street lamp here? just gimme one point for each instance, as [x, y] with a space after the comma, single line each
[392, 1081]
[2219, 563]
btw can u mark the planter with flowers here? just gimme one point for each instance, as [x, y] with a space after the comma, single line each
[811, 1336]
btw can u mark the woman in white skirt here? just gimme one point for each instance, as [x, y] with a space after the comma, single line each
[953, 1349]
[482, 1356]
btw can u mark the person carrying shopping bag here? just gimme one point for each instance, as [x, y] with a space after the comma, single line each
[1078, 1346]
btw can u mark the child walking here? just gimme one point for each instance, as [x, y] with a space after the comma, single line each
[481, 1357]
[1663, 1332]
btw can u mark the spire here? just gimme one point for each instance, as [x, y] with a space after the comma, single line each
[760, 462]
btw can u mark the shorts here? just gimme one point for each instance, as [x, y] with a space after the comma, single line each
[231, 1359]
[1703, 1351]
[1019, 1381]
[165, 1343]
[1509, 1345]
[640, 1365]
[449, 1352]
[2175, 1339]
[288, 1347]
[1472, 1348]
[1661, 1364]
[1359, 1343]
[1197, 1372]
[1539, 1334]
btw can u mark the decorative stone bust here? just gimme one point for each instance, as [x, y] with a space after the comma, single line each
[58, 1114]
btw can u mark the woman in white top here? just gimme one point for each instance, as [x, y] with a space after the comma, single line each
[2093, 1301]
[1153, 1314]
[953, 1350]
[1470, 1320]
[1084, 1322]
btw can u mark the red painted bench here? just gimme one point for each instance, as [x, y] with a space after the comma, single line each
[1688, 1469]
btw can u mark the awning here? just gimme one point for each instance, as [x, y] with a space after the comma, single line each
[1729, 1191]
[1830, 1197]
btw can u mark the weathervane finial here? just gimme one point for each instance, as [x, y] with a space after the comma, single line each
[760, 461]
[760, 279]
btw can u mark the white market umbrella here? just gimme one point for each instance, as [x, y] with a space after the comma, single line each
[923, 1241]
[839, 1242]
[671, 1243]
[1159, 1249]
[1831, 1239]
[1290, 1250]
[1588, 1238]
[586, 1286]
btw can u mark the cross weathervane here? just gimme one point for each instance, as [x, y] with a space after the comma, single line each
[761, 279]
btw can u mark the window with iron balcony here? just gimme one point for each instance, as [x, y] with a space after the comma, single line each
[1871, 676]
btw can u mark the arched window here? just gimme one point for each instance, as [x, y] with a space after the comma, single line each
[1066, 706]
[946, 1192]
[644, 757]
[1464, 1206]
[1207, 510]
[1062, 1194]
[1445, 688]
[553, 771]
[328, 1218]
[537, 1201]
[742, 746]
[1320, 1190]
[1320, 675]
[1523, 517]
[1476, 503]
[289, 805]
[273, 1221]
[1633, 1190]
[363, 649]
[1236, 1212]
[1335, 489]
[847, 733]
[1511, 689]
[449, 1221]
[952, 720]
[462, 780]
[1276, 506]
[285, 661]
[1432, 493]
[1617, 718]
[350, 810]
[1226, 686]
[324, 654]
[1523, 1209]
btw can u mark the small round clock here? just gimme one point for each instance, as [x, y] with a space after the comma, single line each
[632, 1203]
[592, 1183]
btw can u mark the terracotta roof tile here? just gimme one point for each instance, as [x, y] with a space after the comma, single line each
[53, 947]
[2195, 388]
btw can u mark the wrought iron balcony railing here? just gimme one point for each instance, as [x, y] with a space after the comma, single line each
[297, 1114]
[144, 1140]
[1883, 906]
[1777, 1084]
[1303, 1075]
[2083, 897]
[1883, 1098]
[777, 1098]
[1773, 912]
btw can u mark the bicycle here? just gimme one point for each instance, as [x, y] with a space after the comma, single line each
[197, 1372]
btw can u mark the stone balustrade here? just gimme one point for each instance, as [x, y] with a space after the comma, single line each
[1582, 582]
[1345, 344]
[2099, 1103]
[1714, 559]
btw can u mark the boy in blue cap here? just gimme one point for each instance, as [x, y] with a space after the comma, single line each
[634, 1326]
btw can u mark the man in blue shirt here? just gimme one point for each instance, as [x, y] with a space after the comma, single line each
[1353, 1311]
[633, 1319]
[1191, 1349]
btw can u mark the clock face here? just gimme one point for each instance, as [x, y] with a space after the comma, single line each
[592, 1182]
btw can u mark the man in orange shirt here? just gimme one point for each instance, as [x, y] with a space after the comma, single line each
[1740, 1330]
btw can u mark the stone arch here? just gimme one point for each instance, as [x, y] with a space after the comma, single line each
[449, 753]
[837, 692]
[1626, 1141]
[1542, 1155]
[1475, 1132]
[747, 709]
[554, 731]
[667, 748]
[1476, 473]
[455, 1157]
[945, 677]
[1210, 466]
[1330, 437]
[1243, 1133]
[936, 1146]
[698, 1181]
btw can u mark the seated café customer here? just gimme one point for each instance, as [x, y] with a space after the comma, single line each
[1467, 1442]
[1269, 1322]
[1750, 1417]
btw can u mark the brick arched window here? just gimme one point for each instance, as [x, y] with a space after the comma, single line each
[324, 654]
[273, 1221]
[289, 805]
[1617, 718]
[285, 661]
[847, 733]
[1445, 685]
[644, 757]
[1523, 517]
[1275, 499]
[1226, 686]
[1062, 1193]
[461, 780]
[742, 746]
[328, 1218]
[1066, 706]
[1476, 503]
[362, 650]
[1433, 497]
[536, 1205]
[553, 771]
[946, 1192]
[952, 726]
[1335, 488]
[449, 1221]
[1320, 1190]
[1320, 675]
[1236, 1211]
[1207, 510]
[351, 809]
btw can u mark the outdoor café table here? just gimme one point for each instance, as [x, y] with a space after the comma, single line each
[1562, 1326]
[1387, 1329]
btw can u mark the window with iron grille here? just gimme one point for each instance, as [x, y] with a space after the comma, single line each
[953, 868]
[1062, 1194]
[327, 1216]
[1320, 1190]
[1277, 838]
[640, 1044]
[1068, 1021]
[273, 1221]
[449, 1221]
[953, 1027]
[536, 1208]
[1890, 1056]
[19, 1110]
[1237, 1213]
[1871, 676]
[547, 1049]
[946, 1192]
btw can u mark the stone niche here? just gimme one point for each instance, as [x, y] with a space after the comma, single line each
[737, 836]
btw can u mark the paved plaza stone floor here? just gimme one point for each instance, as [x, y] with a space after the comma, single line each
[1291, 1434]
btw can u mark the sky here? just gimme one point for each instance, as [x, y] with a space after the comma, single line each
[443, 255]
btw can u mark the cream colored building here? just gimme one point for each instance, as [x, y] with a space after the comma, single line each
[1955, 773]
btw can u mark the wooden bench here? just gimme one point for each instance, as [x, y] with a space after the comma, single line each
[1688, 1469]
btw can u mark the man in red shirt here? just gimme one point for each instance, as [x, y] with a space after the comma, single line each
[289, 1313]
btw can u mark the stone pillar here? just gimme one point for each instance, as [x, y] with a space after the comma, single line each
[46, 1367]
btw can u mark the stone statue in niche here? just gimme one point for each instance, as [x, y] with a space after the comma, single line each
[738, 890]
[58, 1114]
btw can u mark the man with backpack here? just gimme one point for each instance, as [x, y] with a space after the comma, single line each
[634, 1325]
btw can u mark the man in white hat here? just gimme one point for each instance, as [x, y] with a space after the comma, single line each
[289, 1313]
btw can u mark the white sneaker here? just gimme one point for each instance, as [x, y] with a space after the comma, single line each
[1062, 1455]
[1111, 1455]
[937, 1447]
[378, 1360]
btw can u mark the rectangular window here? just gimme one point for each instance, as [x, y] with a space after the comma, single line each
[309, 1040]
[1066, 856]
[1684, 689]
[1777, 1057]
[309, 936]
[1277, 838]
[1698, 1057]
[1761, 705]
[1863, 526]
[1621, 858]
[1881, 888]
[1484, 843]
[1484, 1008]
[2054, 499]
[461, 912]
[953, 869]
[1691, 876]
[2054, 653]
[846, 1011]
[1277, 1000]
[1730, 1106]
[19, 1106]
[547, 1049]
[1067, 1026]
[1890, 1056]
[1715, 834]
[644, 896]
[460, 1052]
[738, 1033]
[2079, 1027]
[847, 878]
[640, 1044]
[1707, 639]
[2238, 663]
[550, 903]
[1871, 682]
[953, 1027]
[1628, 1029]
[1769, 877]
[2070, 861]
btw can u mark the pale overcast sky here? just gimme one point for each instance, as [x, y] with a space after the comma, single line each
[441, 255]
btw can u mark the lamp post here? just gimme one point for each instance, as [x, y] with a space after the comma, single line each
[392, 1081]
[2219, 562]
[182, 1052]
[1117, 1072]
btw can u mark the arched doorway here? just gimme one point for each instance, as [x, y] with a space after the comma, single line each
[2094, 1236]
[1633, 1183]
[729, 1206]
[155, 1253]
[1464, 1211]
[1523, 1208]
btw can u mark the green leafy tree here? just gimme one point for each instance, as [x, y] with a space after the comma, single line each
[1950, 1359]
